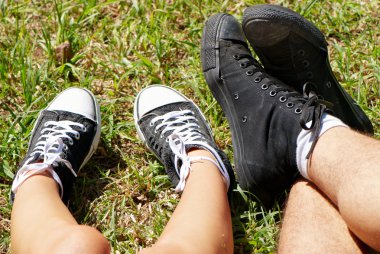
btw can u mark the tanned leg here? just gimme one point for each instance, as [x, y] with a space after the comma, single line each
[201, 223]
[312, 224]
[345, 165]
[41, 223]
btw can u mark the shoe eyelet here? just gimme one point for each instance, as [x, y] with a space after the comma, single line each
[167, 140]
[45, 124]
[77, 136]
[298, 111]
[257, 80]
[249, 73]
[264, 86]
[290, 104]
[151, 124]
[71, 142]
[243, 65]
[65, 147]
[282, 99]
[236, 57]
[305, 63]
[244, 119]
[236, 96]
[301, 52]
[84, 129]
[328, 84]
[272, 93]
[310, 75]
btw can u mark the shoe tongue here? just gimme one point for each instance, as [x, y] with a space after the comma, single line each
[34, 159]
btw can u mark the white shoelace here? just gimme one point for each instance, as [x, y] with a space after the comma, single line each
[49, 144]
[185, 132]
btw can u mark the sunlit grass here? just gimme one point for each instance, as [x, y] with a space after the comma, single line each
[119, 47]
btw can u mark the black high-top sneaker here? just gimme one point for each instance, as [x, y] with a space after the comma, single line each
[265, 115]
[293, 50]
[170, 125]
[63, 139]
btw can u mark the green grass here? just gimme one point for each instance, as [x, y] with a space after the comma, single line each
[119, 47]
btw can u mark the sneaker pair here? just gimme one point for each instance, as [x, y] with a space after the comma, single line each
[67, 133]
[267, 107]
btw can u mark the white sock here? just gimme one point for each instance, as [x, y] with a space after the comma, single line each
[304, 141]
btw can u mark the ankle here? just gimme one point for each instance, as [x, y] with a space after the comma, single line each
[25, 174]
[203, 156]
[38, 183]
[306, 142]
[201, 152]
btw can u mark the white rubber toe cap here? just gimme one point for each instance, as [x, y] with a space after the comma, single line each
[76, 100]
[155, 96]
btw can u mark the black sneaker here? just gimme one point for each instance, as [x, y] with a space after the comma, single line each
[170, 125]
[265, 115]
[293, 50]
[63, 139]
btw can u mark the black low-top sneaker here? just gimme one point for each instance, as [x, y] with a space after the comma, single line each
[265, 115]
[170, 125]
[63, 139]
[294, 50]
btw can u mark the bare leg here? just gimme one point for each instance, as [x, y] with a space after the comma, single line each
[201, 223]
[346, 166]
[313, 225]
[41, 223]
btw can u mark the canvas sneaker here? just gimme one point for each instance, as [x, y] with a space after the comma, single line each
[265, 115]
[63, 139]
[295, 51]
[170, 125]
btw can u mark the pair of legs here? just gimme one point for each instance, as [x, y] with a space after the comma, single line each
[311, 219]
[201, 223]
[280, 125]
[41, 223]
[339, 210]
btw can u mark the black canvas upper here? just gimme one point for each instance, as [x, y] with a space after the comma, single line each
[158, 142]
[265, 115]
[76, 152]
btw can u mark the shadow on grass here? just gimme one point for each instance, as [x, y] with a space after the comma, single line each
[93, 179]
[255, 228]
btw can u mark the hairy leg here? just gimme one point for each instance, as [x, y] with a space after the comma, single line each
[41, 223]
[312, 224]
[345, 165]
[201, 223]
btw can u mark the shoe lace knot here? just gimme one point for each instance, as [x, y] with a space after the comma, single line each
[312, 119]
[49, 148]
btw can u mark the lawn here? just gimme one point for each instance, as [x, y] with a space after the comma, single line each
[115, 48]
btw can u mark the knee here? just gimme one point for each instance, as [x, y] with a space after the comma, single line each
[301, 187]
[83, 239]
